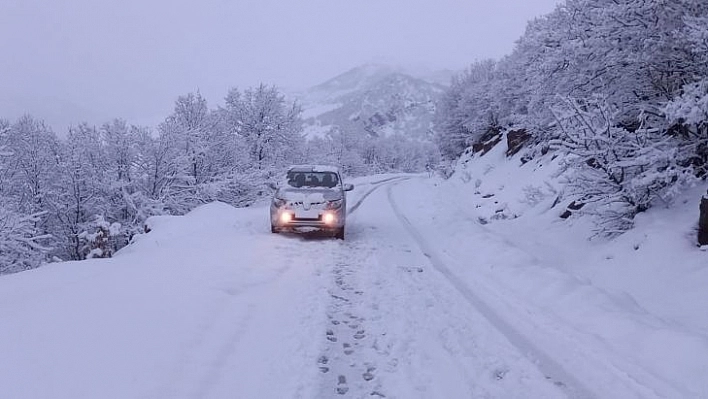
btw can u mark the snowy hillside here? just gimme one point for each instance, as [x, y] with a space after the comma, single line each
[643, 292]
[373, 100]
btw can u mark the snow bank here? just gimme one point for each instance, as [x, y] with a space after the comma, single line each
[183, 312]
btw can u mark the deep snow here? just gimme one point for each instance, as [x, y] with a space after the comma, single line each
[432, 295]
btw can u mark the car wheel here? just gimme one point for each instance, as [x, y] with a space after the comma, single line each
[339, 233]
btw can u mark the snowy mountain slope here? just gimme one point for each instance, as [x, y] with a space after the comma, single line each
[351, 81]
[213, 305]
[374, 100]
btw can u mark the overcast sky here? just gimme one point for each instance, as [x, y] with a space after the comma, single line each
[71, 60]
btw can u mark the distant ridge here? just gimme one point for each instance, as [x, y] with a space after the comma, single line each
[372, 100]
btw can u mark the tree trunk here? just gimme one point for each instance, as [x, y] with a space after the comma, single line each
[703, 222]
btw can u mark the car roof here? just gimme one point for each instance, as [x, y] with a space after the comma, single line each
[313, 168]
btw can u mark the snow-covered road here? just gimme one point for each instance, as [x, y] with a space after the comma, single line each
[396, 329]
[212, 305]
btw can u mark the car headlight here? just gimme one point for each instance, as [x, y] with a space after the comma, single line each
[336, 204]
[278, 202]
[286, 217]
[329, 218]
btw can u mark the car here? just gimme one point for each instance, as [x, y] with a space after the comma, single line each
[310, 198]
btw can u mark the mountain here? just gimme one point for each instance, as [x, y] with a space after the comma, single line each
[374, 100]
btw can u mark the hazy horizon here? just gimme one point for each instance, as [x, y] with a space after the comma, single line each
[82, 60]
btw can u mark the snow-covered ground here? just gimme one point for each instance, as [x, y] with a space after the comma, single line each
[432, 295]
[636, 304]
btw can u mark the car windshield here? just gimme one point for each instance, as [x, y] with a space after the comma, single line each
[312, 179]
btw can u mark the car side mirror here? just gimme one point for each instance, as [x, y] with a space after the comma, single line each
[347, 187]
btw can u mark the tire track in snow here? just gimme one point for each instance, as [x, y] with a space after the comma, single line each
[553, 370]
[377, 184]
[593, 359]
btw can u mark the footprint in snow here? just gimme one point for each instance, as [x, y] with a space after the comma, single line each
[342, 387]
[330, 336]
[322, 361]
[499, 374]
[347, 348]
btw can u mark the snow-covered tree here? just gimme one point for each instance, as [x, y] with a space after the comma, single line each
[5, 153]
[617, 172]
[270, 127]
[21, 245]
[32, 177]
[467, 110]
[341, 147]
[125, 201]
[205, 157]
[190, 124]
[84, 191]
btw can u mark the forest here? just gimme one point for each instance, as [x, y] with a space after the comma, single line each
[618, 89]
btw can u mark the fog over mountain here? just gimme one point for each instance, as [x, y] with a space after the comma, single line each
[375, 100]
[131, 59]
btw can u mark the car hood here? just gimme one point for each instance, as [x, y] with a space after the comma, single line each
[310, 195]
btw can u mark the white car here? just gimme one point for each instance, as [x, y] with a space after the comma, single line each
[310, 198]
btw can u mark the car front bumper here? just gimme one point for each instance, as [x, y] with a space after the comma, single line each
[294, 219]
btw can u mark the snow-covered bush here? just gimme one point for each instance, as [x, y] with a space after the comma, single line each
[237, 189]
[21, 245]
[618, 172]
[688, 114]
[100, 242]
